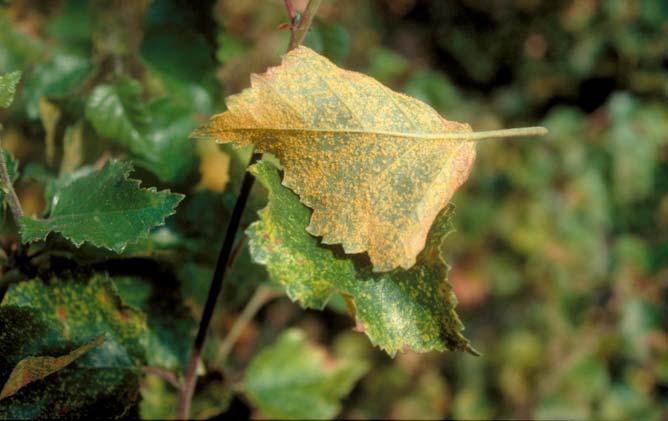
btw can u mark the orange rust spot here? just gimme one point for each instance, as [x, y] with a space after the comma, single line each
[61, 313]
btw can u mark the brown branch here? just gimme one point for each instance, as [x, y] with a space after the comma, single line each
[299, 33]
[290, 8]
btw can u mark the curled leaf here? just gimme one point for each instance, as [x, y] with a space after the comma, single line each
[31, 369]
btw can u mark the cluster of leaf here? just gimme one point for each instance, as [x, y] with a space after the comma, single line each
[560, 251]
[81, 313]
[105, 98]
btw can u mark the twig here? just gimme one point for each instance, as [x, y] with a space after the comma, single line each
[166, 375]
[190, 379]
[261, 297]
[290, 8]
[12, 198]
[299, 33]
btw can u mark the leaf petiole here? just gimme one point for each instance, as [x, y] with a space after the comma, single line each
[497, 134]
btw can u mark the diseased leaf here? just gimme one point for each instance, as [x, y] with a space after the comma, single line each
[8, 83]
[375, 166]
[104, 208]
[170, 322]
[54, 317]
[31, 369]
[294, 379]
[412, 308]
[77, 311]
[155, 133]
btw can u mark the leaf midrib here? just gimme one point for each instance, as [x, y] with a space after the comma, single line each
[445, 135]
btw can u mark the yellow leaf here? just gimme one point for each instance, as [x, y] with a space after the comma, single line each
[376, 166]
[214, 166]
[50, 115]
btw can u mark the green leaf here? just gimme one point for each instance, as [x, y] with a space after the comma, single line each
[156, 133]
[169, 153]
[170, 29]
[8, 85]
[118, 113]
[294, 379]
[31, 369]
[17, 48]
[13, 171]
[412, 308]
[61, 76]
[55, 317]
[104, 208]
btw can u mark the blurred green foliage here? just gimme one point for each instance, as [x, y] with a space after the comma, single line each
[560, 259]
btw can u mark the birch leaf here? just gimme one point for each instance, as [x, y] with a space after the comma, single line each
[116, 210]
[412, 308]
[375, 166]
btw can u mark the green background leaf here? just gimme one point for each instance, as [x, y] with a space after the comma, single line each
[156, 133]
[294, 379]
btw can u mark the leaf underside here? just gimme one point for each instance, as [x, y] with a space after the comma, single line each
[412, 308]
[376, 166]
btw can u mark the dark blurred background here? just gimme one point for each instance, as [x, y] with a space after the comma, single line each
[560, 258]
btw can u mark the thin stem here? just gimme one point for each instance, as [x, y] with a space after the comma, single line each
[261, 297]
[496, 134]
[305, 22]
[166, 375]
[190, 379]
[290, 8]
[12, 198]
